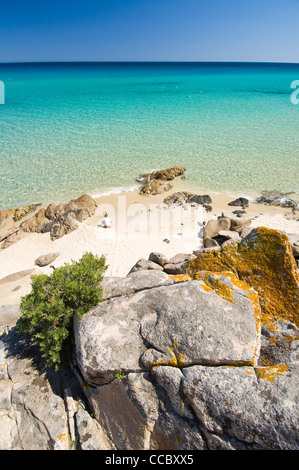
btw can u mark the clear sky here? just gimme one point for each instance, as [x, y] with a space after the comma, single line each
[149, 30]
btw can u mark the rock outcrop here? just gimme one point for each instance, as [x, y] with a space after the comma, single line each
[58, 219]
[41, 409]
[188, 365]
[205, 359]
[224, 231]
[178, 264]
[264, 260]
[275, 198]
[240, 201]
[157, 182]
[185, 197]
[46, 259]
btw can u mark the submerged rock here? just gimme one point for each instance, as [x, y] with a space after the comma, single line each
[275, 198]
[157, 182]
[162, 175]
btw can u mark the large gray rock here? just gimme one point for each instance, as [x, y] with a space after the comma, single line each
[9, 314]
[46, 259]
[169, 324]
[178, 264]
[211, 229]
[158, 258]
[144, 264]
[248, 405]
[186, 366]
[63, 225]
[90, 433]
[35, 411]
[240, 201]
[134, 282]
[15, 236]
[130, 410]
[7, 227]
[32, 414]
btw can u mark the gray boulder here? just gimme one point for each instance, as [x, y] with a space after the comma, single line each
[165, 324]
[144, 264]
[7, 227]
[240, 201]
[134, 282]
[230, 235]
[244, 405]
[46, 259]
[182, 366]
[61, 226]
[178, 264]
[209, 242]
[32, 414]
[213, 226]
[35, 411]
[158, 258]
[90, 434]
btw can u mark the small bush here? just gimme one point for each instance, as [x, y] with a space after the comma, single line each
[47, 312]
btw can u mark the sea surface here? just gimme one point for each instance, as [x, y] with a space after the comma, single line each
[71, 128]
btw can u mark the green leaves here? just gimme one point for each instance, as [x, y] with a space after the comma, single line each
[47, 312]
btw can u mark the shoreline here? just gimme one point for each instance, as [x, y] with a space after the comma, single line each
[123, 248]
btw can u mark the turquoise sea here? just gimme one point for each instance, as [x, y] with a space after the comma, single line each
[71, 128]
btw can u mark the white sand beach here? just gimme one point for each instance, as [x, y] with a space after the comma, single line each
[141, 225]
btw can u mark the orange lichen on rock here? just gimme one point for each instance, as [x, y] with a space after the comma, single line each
[216, 285]
[266, 263]
[176, 361]
[180, 277]
[271, 372]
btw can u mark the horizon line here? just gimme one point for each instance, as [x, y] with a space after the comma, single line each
[149, 62]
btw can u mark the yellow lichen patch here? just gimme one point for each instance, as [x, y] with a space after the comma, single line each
[266, 362]
[272, 340]
[205, 287]
[171, 362]
[176, 361]
[216, 285]
[249, 372]
[292, 338]
[265, 263]
[180, 277]
[271, 372]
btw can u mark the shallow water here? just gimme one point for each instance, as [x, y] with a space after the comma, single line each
[66, 129]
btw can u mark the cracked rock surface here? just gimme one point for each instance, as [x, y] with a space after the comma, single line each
[182, 366]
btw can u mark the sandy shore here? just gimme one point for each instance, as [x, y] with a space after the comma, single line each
[141, 224]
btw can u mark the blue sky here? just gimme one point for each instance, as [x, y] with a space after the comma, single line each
[140, 30]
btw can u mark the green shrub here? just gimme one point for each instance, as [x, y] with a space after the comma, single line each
[47, 312]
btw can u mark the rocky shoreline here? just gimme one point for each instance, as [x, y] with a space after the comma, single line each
[194, 351]
[189, 361]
